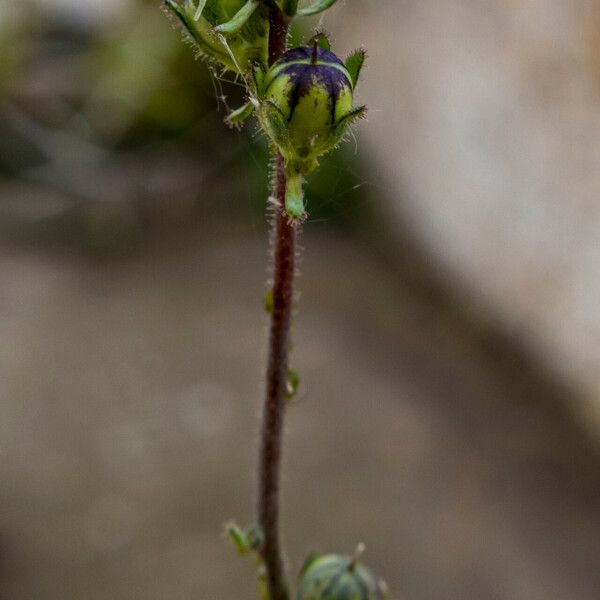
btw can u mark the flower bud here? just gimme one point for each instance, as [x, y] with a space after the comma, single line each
[306, 104]
[305, 107]
[232, 33]
[334, 577]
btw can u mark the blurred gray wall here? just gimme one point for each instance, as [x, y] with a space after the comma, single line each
[484, 129]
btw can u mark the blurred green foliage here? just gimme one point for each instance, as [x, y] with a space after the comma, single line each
[89, 91]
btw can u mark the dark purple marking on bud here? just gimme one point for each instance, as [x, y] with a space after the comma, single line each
[305, 53]
[304, 76]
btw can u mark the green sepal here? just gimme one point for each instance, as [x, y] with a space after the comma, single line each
[199, 9]
[322, 40]
[237, 117]
[294, 196]
[258, 76]
[239, 19]
[309, 560]
[353, 115]
[316, 8]
[277, 119]
[354, 65]
[383, 589]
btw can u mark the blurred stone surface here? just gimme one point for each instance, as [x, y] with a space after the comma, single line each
[130, 394]
[484, 127]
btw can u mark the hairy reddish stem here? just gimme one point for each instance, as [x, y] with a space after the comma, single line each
[278, 32]
[284, 238]
[284, 242]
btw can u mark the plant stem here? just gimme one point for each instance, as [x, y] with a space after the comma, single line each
[284, 242]
[278, 32]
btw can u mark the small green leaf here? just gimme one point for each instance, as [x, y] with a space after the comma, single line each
[237, 117]
[292, 384]
[354, 65]
[322, 40]
[255, 538]
[269, 302]
[239, 19]
[316, 7]
[238, 538]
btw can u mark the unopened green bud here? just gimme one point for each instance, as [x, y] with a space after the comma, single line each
[306, 104]
[335, 577]
[305, 107]
[232, 33]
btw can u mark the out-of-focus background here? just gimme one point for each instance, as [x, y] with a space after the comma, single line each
[448, 335]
